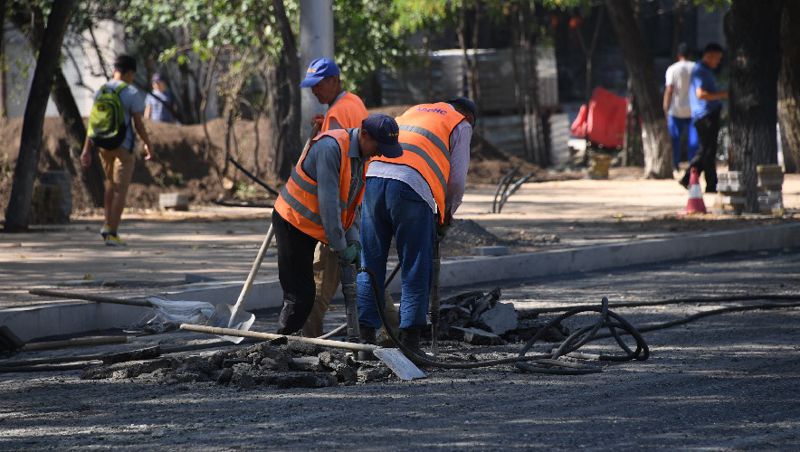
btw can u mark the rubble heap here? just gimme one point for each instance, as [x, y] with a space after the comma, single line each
[479, 318]
[274, 363]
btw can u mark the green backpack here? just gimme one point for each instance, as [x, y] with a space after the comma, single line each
[107, 127]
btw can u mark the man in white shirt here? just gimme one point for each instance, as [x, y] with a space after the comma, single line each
[676, 105]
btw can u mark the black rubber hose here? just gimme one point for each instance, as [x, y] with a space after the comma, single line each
[616, 325]
[700, 315]
[540, 363]
[631, 304]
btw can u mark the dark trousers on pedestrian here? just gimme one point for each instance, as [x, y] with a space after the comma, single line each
[296, 273]
[706, 158]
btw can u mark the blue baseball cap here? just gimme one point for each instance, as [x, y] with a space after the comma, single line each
[384, 130]
[318, 70]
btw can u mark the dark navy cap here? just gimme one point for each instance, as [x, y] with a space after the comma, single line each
[467, 104]
[384, 130]
[318, 70]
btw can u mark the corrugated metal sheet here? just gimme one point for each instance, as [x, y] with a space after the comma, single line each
[447, 79]
[506, 133]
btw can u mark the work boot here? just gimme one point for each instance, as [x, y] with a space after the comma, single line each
[366, 334]
[409, 337]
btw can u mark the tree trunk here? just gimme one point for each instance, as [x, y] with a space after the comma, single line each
[32, 21]
[753, 32]
[655, 139]
[3, 89]
[474, 82]
[588, 54]
[677, 28]
[462, 42]
[632, 152]
[789, 85]
[286, 87]
[19, 206]
[92, 177]
[524, 61]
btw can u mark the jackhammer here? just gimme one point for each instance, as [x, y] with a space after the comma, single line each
[349, 272]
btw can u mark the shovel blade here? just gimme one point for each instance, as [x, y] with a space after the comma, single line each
[399, 363]
[221, 318]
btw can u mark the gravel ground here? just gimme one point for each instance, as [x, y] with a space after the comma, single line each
[724, 382]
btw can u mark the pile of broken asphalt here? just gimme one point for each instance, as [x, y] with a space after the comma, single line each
[275, 363]
[474, 318]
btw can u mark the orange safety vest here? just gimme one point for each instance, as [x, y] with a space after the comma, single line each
[348, 111]
[298, 203]
[425, 137]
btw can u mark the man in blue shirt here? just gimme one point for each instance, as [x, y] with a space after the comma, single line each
[158, 104]
[706, 102]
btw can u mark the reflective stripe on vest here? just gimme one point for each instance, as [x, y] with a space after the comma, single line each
[425, 137]
[348, 111]
[298, 203]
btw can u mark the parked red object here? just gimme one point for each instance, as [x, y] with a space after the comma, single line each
[603, 123]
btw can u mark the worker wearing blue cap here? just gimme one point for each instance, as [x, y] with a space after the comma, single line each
[345, 110]
[320, 203]
[411, 198]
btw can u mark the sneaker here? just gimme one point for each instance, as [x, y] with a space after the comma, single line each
[105, 230]
[114, 240]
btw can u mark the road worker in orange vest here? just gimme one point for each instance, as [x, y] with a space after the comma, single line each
[412, 198]
[345, 111]
[319, 203]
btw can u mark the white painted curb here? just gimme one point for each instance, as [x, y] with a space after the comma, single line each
[70, 318]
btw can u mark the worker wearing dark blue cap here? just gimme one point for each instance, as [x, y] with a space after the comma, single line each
[410, 198]
[319, 203]
[345, 110]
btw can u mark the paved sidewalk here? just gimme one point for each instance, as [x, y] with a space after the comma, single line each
[221, 243]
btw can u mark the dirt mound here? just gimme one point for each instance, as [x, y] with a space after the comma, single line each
[185, 162]
[464, 235]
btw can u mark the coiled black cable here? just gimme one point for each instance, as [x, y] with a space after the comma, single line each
[540, 363]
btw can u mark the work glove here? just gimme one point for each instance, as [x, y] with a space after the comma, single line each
[351, 255]
[441, 229]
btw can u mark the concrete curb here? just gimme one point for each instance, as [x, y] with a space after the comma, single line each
[71, 318]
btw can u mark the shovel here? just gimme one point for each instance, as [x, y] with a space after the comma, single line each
[392, 357]
[227, 316]
[232, 317]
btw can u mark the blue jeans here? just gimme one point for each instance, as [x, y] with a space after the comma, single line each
[676, 128]
[392, 208]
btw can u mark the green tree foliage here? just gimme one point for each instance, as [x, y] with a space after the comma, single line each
[366, 39]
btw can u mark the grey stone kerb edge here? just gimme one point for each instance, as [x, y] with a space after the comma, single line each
[70, 318]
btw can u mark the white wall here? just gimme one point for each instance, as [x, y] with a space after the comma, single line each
[80, 64]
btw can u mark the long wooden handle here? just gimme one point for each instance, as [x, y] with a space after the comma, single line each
[248, 284]
[261, 253]
[89, 297]
[270, 336]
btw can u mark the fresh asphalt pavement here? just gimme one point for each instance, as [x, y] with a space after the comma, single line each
[722, 382]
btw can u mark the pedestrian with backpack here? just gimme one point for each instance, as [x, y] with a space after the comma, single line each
[117, 110]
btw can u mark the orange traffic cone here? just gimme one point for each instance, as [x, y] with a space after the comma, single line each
[695, 203]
